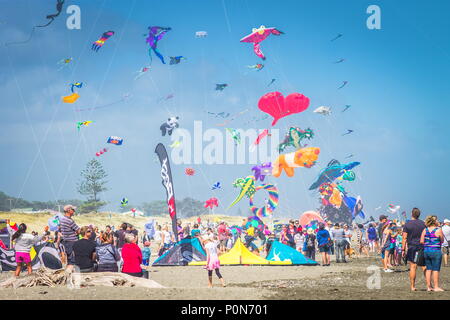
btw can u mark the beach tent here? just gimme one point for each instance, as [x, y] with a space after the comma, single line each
[182, 253]
[239, 255]
[43, 254]
[282, 252]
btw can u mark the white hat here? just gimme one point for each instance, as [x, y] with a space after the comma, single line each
[68, 207]
[446, 221]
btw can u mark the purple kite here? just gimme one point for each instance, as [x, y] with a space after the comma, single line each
[154, 35]
[261, 171]
[259, 35]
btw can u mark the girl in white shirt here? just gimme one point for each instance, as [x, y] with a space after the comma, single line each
[212, 260]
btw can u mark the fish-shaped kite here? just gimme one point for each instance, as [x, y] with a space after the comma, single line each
[100, 42]
[176, 60]
[259, 35]
[323, 110]
[257, 66]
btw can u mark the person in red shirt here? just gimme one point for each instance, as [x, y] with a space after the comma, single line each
[223, 235]
[132, 256]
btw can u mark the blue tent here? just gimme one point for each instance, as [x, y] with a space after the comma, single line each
[183, 252]
[282, 252]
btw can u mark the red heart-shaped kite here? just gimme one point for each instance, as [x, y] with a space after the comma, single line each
[275, 104]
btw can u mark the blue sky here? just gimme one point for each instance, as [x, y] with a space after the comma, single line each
[398, 87]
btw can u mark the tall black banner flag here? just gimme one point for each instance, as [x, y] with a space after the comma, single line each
[166, 176]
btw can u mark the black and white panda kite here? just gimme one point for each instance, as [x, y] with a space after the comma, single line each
[169, 125]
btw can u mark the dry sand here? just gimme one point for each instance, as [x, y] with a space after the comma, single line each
[340, 281]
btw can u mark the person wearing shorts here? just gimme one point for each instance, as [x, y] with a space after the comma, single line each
[23, 242]
[432, 239]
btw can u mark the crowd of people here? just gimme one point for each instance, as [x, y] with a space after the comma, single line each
[88, 249]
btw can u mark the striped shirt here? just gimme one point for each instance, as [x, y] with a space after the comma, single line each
[432, 242]
[68, 229]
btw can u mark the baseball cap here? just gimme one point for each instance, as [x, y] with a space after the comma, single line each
[68, 207]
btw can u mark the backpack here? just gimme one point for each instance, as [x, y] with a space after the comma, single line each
[310, 242]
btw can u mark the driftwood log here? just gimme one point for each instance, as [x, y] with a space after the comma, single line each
[53, 278]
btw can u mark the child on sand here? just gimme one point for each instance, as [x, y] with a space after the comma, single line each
[146, 253]
[22, 244]
[212, 261]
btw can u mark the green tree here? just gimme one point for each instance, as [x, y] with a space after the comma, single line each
[91, 185]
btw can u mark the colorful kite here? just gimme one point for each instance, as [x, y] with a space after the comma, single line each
[189, 171]
[124, 202]
[71, 98]
[176, 60]
[115, 140]
[247, 186]
[305, 157]
[76, 84]
[294, 137]
[236, 135]
[259, 35]
[100, 42]
[64, 63]
[155, 34]
[175, 144]
[278, 106]
[271, 203]
[211, 203]
[83, 124]
[262, 170]
[257, 67]
[98, 154]
[333, 171]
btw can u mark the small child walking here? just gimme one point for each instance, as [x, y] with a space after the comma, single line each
[23, 242]
[146, 253]
[212, 261]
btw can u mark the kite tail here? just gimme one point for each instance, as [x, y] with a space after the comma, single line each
[257, 50]
[159, 55]
[22, 42]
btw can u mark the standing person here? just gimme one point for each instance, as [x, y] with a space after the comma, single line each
[324, 240]
[372, 238]
[386, 241]
[380, 228]
[283, 238]
[196, 231]
[119, 236]
[361, 240]
[431, 239]
[222, 232]
[23, 242]
[348, 238]
[145, 237]
[309, 246]
[411, 245]
[166, 239]
[84, 251]
[446, 243]
[338, 234]
[70, 231]
[299, 239]
[157, 239]
[132, 256]
[107, 255]
[329, 227]
[146, 253]
[212, 261]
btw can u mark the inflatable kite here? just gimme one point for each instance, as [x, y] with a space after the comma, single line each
[71, 98]
[100, 42]
[272, 202]
[247, 186]
[294, 137]
[189, 171]
[308, 216]
[211, 203]
[355, 206]
[333, 171]
[261, 171]
[124, 202]
[305, 157]
[98, 154]
[275, 104]
[393, 209]
[259, 35]
[115, 140]
[154, 35]
[326, 111]
[235, 135]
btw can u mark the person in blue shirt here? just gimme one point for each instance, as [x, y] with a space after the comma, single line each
[323, 241]
[196, 231]
[146, 253]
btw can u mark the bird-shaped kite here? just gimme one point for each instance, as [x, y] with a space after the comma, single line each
[100, 42]
[83, 124]
[348, 132]
[259, 35]
[155, 34]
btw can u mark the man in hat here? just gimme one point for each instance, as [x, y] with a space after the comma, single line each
[445, 245]
[69, 231]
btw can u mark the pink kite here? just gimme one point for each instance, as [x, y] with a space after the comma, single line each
[211, 203]
[309, 216]
[259, 35]
[275, 104]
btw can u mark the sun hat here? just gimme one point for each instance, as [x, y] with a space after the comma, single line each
[68, 207]
[446, 221]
